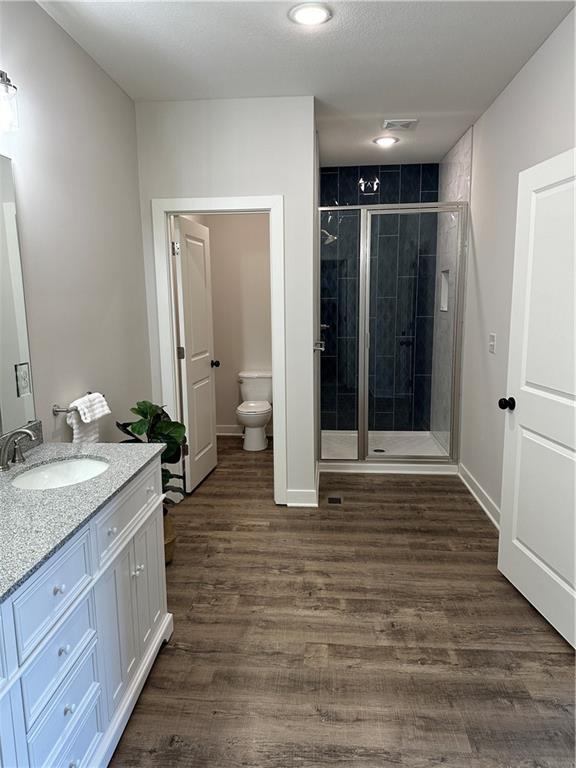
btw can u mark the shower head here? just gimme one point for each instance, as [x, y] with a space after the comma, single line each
[328, 238]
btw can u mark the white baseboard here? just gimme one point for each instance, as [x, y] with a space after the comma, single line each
[119, 720]
[488, 505]
[229, 430]
[302, 498]
[236, 430]
[369, 468]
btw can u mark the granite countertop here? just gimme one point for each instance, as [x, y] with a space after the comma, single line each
[34, 524]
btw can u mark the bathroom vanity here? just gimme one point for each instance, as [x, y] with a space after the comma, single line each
[83, 602]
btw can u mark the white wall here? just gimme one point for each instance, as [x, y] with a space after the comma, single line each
[236, 147]
[76, 186]
[531, 120]
[240, 254]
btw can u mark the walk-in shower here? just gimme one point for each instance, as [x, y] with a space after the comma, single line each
[391, 279]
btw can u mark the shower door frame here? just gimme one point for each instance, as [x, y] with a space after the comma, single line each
[366, 213]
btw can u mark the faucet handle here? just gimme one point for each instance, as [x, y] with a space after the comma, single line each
[18, 457]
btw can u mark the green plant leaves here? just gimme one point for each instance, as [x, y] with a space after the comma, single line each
[158, 427]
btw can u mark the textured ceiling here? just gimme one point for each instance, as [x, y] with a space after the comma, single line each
[443, 62]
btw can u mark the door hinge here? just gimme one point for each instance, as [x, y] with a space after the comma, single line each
[180, 353]
[185, 449]
[175, 248]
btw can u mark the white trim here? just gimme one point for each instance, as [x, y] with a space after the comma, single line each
[488, 505]
[274, 206]
[303, 498]
[237, 430]
[388, 468]
[229, 430]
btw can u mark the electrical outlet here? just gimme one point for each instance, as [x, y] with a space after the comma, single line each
[492, 343]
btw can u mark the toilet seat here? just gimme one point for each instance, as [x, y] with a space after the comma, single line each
[254, 406]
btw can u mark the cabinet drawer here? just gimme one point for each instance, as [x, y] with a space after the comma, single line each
[65, 710]
[56, 657]
[40, 605]
[144, 490]
[84, 740]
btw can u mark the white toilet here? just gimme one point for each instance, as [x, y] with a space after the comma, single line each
[255, 410]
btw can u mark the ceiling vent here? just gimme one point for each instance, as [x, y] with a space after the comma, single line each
[400, 124]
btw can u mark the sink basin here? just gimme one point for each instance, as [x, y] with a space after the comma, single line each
[58, 474]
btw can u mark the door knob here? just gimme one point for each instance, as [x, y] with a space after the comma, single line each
[215, 363]
[507, 403]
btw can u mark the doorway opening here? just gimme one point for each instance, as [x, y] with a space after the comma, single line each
[220, 301]
[391, 284]
[221, 292]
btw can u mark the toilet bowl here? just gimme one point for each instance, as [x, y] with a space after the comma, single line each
[255, 410]
[254, 415]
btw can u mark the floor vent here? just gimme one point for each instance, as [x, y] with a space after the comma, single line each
[334, 499]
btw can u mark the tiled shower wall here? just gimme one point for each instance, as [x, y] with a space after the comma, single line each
[454, 185]
[403, 265]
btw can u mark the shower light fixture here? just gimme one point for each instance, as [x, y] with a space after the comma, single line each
[385, 141]
[8, 104]
[310, 14]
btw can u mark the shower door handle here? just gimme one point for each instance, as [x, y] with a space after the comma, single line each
[319, 346]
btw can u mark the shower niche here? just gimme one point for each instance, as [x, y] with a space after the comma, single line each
[390, 301]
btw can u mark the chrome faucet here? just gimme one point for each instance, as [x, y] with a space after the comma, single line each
[14, 438]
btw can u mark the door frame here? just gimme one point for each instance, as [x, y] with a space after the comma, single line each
[273, 205]
[364, 462]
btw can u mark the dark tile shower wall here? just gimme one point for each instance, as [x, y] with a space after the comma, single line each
[402, 285]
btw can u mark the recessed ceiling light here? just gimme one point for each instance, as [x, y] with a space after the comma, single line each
[386, 141]
[310, 14]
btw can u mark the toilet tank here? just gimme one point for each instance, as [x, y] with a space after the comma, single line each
[255, 385]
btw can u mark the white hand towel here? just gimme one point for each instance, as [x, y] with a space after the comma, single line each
[84, 415]
[82, 432]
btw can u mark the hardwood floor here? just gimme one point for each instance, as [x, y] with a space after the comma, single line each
[369, 634]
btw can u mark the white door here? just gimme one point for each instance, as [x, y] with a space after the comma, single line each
[196, 337]
[537, 536]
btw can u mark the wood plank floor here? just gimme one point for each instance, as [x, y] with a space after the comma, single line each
[369, 634]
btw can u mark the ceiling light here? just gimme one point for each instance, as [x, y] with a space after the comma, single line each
[386, 141]
[310, 14]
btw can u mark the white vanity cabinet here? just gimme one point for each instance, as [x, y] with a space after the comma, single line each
[79, 636]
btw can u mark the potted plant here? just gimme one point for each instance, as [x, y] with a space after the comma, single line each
[154, 423]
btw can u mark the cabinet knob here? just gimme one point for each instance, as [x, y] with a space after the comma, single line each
[59, 589]
[69, 709]
[73, 764]
[112, 531]
[64, 650]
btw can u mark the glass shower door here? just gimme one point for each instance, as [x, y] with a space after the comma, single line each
[413, 261]
[339, 314]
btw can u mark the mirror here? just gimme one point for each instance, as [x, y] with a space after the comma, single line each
[16, 395]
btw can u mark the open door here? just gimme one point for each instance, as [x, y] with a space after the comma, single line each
[538, 513]
[196, 347]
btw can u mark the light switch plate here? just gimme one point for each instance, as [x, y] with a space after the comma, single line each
[23, 386]
[492, 343]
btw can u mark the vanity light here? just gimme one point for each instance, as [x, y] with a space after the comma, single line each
[310, 14]
[386, 141]
[8, 104]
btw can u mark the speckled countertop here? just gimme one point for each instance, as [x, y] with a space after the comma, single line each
[34, 524]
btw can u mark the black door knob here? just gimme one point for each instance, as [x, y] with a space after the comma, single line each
[215, 363]
[507, 403]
